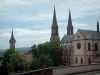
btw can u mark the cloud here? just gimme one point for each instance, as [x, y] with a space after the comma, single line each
[25, 2]
[4, 33]
[42, 17]
[23, 32]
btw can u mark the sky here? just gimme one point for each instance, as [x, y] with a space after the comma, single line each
[31, 19]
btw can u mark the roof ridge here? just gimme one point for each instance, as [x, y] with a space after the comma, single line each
[86, 30]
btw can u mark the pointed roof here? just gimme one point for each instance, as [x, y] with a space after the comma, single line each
[69, 19]
[97, 25]
[12, 36]
[54, 17]
[97, 22]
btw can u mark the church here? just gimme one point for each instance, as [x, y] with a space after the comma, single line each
[81, 48]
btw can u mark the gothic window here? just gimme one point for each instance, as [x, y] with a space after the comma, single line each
[78, 46]
[96, 46]
[81, 60]
[76, 60]
[89, 60]
[89, 46]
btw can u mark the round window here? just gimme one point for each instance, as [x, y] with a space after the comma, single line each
[78, 45]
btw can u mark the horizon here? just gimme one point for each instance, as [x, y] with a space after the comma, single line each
[31, 20]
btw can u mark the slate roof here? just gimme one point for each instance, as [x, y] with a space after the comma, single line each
[67, 38]
[90, 34]
[87, 34]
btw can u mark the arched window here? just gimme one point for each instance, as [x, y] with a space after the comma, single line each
[81, 60]
[76, 60]
[96, 46]
[89, 46]
[89, 60]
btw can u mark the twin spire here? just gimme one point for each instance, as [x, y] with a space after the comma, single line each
[69, 27]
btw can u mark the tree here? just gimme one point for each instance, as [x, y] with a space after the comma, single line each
[13, 62]
[17, 62]
[34, 51]
[36, 64]
[45, 61]
[6, 60]
[48, 50]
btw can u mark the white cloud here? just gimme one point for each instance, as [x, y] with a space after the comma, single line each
[25, 31]
[79, 25]
[25, 2]
[42, 17]
[22, 31]
[4, 33]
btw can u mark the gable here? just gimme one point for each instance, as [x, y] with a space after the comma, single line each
[78, 35]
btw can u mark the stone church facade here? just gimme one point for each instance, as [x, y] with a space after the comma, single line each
[81, 48]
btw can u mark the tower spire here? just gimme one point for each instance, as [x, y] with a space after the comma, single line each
[12, 35]
[69, 19]
[12, 41]
[54, 29]
[97, 25]
[70, 26]
[54, 17]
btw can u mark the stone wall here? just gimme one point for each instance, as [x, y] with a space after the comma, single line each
[75, 69]
[64, 70]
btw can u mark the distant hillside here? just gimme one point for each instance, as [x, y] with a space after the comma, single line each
[18, 49]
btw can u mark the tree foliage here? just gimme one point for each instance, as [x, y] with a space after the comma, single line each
[36, 64]
[48, 51]
[13, 62]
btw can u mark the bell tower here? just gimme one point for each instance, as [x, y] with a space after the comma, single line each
[54, 29]
[12, 41]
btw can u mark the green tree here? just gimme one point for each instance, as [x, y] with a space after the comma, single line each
[48, 51]
[36, 64]
[17, 62]
[45, 61]
[13, 62]
[34, 51]
[6, 60]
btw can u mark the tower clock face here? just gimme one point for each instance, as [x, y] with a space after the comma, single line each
[78, 46]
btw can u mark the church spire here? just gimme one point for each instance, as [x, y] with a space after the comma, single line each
[70, 26]
[54, 17]
[12, 35]
[69, 19]
[54, 29]
[12, 41]
[97, 25]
